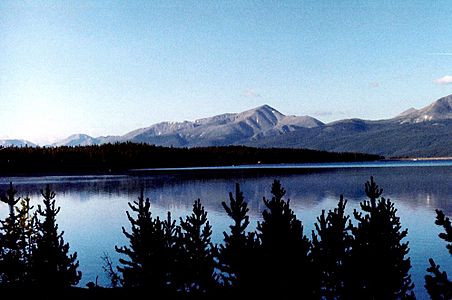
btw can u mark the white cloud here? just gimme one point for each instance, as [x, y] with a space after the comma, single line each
[250, 93]
[444, 80]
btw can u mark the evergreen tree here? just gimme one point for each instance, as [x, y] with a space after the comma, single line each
[110, 271]
[52, 265]
[172, 252]
[12, 263]
[287, 270]
[27, 235]
[437, 284]
[238, 255]
[197, 256]
[331, 246]
[148, 257]
[378, 267]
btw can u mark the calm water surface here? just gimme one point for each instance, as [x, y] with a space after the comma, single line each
[93, 207]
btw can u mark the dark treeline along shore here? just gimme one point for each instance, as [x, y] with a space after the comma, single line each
[120, 157]
[363, 256]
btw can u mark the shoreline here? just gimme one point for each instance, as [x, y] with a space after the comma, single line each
[419, 158]
[300, 167]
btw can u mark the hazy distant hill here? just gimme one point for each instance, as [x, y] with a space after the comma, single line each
[16, 143]
[78, 140]
[415, 132]
[426, 139]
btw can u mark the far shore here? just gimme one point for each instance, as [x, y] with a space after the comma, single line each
[421, 158]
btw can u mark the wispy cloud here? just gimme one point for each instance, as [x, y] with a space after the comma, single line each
[374, 84]
[444, 80]
[327, 113]
[250, 93]
[441, 53]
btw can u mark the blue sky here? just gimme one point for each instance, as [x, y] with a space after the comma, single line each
[108, 67]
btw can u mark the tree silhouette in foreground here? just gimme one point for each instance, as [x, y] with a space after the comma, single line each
[331, 247]
[238, 255]
[149, 255]
[197, 253]
[110, 271]
[437, 284]
[378, 267]
[27, 236]
[286, 266]
[52, 265]
[13, 264]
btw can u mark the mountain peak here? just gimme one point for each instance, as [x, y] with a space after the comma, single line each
[442, 105]
[78, 139]
[407, 112]
[79, 136]
[440, 109]
[267, 108]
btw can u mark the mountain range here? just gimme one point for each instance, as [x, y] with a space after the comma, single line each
[425, 132]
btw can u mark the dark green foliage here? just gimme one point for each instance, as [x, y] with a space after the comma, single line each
[27, 236]
[13, 264]
[238, 254]
[150, 251]
[287, 270]
[197, 256]
[331, 246]
[10, 199]
[378, 267]
[437, 284]
[442, 220]
[390, 139]
[172, 255]
[125, 156]
[108, 268]
[52, 265]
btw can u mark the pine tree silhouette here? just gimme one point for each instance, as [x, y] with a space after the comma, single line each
[238, 254]
[172, 252]
[10, 199]
[287, 270]
[331, 246]
[27, 236]
[52, 265]
[197, 256]
[110, 271]
[12, 260]
[437, 283]
[148, 261]
[378, 267]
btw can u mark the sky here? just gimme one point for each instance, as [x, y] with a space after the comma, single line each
[109, 67]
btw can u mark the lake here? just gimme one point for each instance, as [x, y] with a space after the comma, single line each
[93, 207]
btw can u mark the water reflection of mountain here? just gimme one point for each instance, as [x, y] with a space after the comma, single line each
[427, 187]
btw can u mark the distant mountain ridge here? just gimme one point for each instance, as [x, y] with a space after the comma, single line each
[220, 130]
[425, 132]
[16, 143]
[78, 140]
